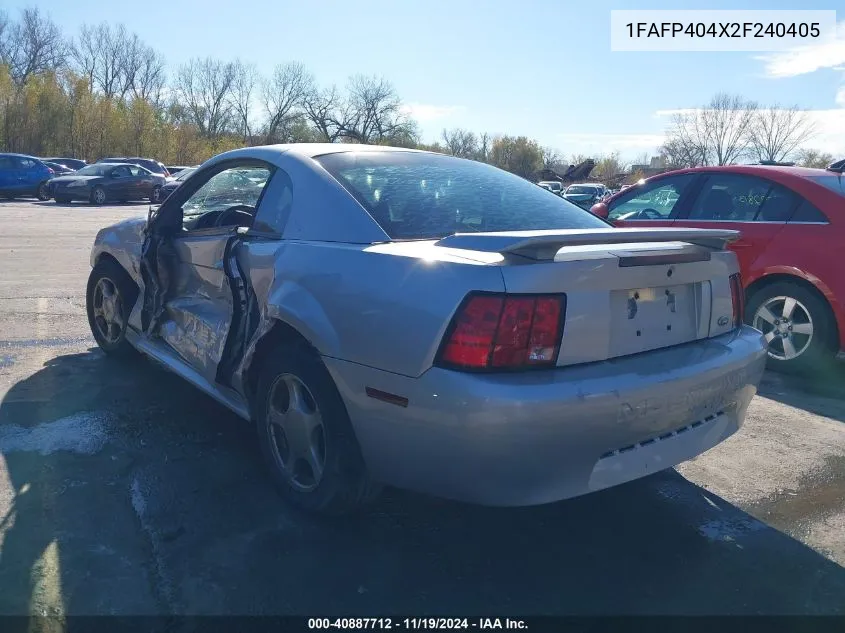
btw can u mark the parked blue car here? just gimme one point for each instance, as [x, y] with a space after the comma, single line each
[23, 176]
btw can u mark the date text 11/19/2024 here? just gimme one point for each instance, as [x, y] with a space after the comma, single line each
[376, 624]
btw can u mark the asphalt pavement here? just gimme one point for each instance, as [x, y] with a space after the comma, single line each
[123, 490]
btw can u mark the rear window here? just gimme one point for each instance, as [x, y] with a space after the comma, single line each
[832, 182]
[428, 196]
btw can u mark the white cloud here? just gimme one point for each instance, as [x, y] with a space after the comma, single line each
[628, 145]
[807, 59]
[427, 112]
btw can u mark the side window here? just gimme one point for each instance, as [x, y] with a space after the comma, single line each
[120, 172]
[6, 162]
[137, 171]
[27, 163]
[737, 198]
[808, 212]
[233, 187]
[652, 201]
[276, 205]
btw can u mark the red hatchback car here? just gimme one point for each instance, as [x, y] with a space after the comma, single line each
[792, 221]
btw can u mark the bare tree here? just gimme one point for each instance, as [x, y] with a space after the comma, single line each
[552, 159]
[814, 158]
[461, 143]
[32, 45]
[321, 108]
[484, 147]
[148, 76]
[680, 150]
[100, 54]
[204, 88]
[243, 88]
[727, 121]
[283, 94]
[687, 142]
[373, 112]
[776, 132]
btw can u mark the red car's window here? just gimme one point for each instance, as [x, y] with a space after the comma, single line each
[738, 198]
[808, 212]
[655, 200]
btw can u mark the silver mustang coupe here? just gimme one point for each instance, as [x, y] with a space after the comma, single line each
[390, 316]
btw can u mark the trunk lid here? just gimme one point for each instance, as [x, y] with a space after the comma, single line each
[627, 290]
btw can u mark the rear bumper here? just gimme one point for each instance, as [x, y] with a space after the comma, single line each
[536, 437]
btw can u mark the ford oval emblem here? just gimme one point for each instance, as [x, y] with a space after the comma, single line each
[723, 321]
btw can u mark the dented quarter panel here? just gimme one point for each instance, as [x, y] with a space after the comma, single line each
[123, 241]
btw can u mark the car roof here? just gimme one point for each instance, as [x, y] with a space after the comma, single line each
[16, 155]
[801, 172]
[586, 184]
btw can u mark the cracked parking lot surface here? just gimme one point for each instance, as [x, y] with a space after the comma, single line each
[125, 491]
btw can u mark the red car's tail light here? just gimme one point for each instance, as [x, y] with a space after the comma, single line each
[497, 331]
[738, 299]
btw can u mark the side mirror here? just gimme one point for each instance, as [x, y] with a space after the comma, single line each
[600, 210]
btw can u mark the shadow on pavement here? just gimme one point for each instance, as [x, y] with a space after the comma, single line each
[134, 493]
[821, 392]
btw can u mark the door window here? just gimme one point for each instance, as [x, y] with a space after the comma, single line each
[656, 200]
[137, 171]
[120, 172]
[7, 162]
[27, 163]
[807, 212]
[738, 198]
[234, 187]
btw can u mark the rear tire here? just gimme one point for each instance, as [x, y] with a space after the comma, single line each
[315, 418]
[43, 192]
[109, 299]
[798, 325]
[98, 196]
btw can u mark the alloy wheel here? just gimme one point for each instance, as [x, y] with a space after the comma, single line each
[108, 310]
[787, 326]
[297, 433]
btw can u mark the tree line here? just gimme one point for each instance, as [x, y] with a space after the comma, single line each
[104, 91]
[730, 128]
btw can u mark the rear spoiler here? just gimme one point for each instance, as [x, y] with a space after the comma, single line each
[545, 244]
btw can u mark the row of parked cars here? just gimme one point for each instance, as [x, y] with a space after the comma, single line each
[585, 195]
[116, 179]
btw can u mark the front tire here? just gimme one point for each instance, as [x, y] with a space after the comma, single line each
[98, 196]
[798, 326]
[109, 299]
[306, 436]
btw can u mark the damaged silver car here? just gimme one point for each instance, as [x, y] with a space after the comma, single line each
[391, 316]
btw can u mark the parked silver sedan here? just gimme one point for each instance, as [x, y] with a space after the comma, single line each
[390, 316]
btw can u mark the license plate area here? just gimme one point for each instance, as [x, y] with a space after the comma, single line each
[650, 318]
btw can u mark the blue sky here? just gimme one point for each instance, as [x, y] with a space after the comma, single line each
[543, 69]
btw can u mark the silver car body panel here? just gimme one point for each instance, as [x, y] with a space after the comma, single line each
[377, 310]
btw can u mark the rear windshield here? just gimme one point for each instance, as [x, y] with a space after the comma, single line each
[429, 196]
[832, 182]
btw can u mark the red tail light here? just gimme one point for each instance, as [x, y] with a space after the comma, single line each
[738, 299]
[497, 331]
